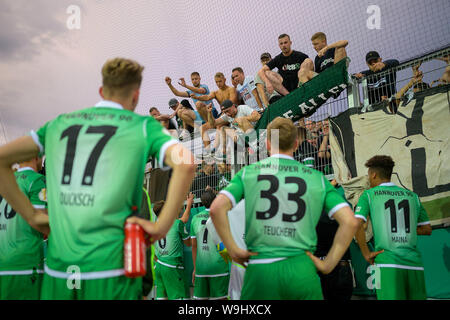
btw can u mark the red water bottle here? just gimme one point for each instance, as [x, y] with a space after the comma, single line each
[134, 251]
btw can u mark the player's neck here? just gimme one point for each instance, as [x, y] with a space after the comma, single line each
[287, 54]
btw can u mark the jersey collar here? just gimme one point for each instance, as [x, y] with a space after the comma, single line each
[282, 156]
[108, 104]
[24, 169]
[387, 184]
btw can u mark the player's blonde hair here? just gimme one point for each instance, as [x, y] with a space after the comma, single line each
[121, 76]
[286, 130]
[319, 36]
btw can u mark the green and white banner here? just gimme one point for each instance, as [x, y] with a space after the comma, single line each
[417, 138]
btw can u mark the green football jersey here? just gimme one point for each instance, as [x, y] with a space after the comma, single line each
[283, 203]
[95, 161]
[395, 214]
[169, 250]
[21, 246]
[208, 261]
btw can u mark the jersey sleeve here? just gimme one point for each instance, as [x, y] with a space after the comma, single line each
[192, 229]
[363, 207]
[38, 193]
[160, 140]
[333, 200]
[235, 189]
[182, 230]
[422, 218]
[39, 138]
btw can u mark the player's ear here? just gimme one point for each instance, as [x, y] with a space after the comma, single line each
[100, 91]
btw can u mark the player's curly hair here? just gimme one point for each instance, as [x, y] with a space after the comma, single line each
[121, 76]
[383, 165]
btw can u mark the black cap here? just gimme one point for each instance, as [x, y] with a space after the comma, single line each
[227, 104]
[266, 55]
[186, 104]
[173, 102]
[371, 56]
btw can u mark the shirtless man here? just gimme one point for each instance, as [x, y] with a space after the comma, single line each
[224, 93]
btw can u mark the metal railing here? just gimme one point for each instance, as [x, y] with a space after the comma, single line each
[360, 94]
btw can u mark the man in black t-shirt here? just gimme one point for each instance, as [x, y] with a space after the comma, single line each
[380, 84]
[327, 56]
[289, 62]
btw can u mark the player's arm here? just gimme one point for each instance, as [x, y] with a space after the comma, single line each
[20, 150]
[194, 256]
[190, 200]
[348, 225]
[174, 90]
[181, 161]
[362, 214]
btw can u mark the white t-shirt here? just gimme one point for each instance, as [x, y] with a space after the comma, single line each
[242, 111]
[245, 92]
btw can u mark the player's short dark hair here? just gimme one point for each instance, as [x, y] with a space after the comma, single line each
[207, 198]
[157, 207]
[152, 108]
[238, 69]
[195, 73]
[283, 35]
[383, 165]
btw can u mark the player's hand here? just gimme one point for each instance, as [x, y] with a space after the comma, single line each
[209, 107]
[168, 81]
[193, 95]
[322, 51]
[370, 257]
[150, 228]
[321, 265]
[241, 256]
[359, 75]
[190, 197]
[182, 82]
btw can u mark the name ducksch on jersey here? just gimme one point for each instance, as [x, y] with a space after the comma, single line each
[76, 199]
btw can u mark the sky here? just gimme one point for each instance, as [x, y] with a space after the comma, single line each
[48, 68]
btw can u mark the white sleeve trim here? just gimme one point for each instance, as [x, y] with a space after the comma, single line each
[361, 217]
[336, 208]
[38, 206]
[424, 223]
[162, 152]
[35, 138]
[229, 196]
[187, 238]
